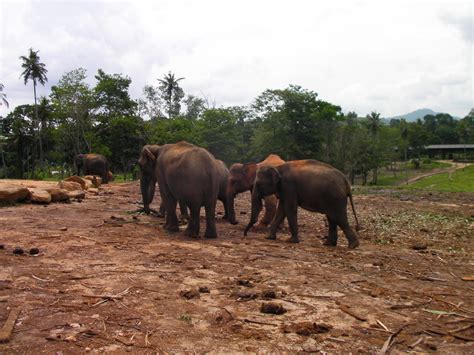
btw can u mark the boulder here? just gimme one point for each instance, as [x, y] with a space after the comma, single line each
[84, 182]
[93, 190]
[69, 185]
[78, 194]
[96, 180]
[14, 193]
[40, 196]
[58, 194]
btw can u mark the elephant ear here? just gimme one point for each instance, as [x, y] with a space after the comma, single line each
[149, 154]
[250, 171]
[274, 175]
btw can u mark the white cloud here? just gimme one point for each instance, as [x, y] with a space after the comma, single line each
[390, 56]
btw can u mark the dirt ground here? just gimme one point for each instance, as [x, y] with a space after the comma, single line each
[109, 279]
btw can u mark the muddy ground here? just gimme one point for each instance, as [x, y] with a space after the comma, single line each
[109, 279]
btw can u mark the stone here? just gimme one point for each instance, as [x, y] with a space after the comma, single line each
[96, 180]
[77, 194]
[40, 196]
[58, 194]
[69, 185]
[14, 194]
[83, 182]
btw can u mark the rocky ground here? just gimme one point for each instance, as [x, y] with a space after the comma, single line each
[107, 278]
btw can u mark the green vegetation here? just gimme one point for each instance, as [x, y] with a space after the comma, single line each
[294, 122]
[459, 181]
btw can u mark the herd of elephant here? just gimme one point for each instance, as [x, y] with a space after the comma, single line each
[194, 178]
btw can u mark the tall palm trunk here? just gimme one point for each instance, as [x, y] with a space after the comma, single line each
[39, 127]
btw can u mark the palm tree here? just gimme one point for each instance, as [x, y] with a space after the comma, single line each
[36, 71]
[373, 125]
[172, 93]
[3, 96]
[404, 137]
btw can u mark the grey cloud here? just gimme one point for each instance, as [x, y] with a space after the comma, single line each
[463, 23]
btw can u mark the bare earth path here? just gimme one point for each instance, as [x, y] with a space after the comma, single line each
[107, 279]
[454, 166]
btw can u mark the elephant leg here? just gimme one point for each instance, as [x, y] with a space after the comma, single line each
[279, 217]
[351, 236]
[172, 224]
[226, 212]
[291, 211]
[331, 239]
[211, 231]
[193, 222]
[162, 210]
[184, 212]
[270, 210]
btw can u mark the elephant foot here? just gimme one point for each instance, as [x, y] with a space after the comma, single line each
[294, 240]
[353, 244]
[210, 236]
[271, 237]
[234, 222]
[330, 243]
[172, 229]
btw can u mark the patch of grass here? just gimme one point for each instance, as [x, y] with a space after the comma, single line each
[185, 318]
[460, 181]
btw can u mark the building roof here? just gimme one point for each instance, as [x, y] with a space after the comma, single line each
[450, 146]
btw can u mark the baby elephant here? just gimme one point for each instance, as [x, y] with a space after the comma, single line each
[312, 185]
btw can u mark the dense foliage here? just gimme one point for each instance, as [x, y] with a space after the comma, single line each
[292, 122]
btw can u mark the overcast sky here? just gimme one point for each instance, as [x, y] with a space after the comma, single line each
[389, 56]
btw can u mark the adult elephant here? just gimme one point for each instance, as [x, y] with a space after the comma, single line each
[187, 174]
[92, 164]
[148, 182]
[312, 185]
[241, 178]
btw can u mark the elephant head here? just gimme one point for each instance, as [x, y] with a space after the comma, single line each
[241, 178]
[147, 162]
[79, 163]
[267, 182]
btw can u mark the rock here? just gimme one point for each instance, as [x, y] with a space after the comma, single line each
[272, 308]
[14, 193]
[83, 182]
[58, 194]
[268, 294]
[70, 185]
[34, 251]
[189, 294]
[93, 190]
[306, 328]
[40, 196]
[96, 180]
[18, 251]
[420, 246]
[204, 289]
[76, 194]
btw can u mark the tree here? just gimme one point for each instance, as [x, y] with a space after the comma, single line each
[171, 93]
[373, 125]
[404, 140]
[36, 71]
[151, 106]
[3, 96]
[195, 106]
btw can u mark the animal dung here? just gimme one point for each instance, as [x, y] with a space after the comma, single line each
[189, 294]
[34, 251]
[204, 289]
[268, 294]
[306, 328]
[18, 251]
[2, 246]
[272, 308]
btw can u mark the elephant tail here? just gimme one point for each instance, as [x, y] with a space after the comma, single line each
[354, 211]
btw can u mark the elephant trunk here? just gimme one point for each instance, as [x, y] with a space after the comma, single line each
[230, 196]
[145, 189]
[256, 208]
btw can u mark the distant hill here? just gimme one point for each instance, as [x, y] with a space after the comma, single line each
[413, 116]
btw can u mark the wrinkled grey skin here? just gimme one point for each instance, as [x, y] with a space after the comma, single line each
[92, 164]
[187, 174]
[309, 184]
[148, 182]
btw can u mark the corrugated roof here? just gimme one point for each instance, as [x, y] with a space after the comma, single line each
[450, 146]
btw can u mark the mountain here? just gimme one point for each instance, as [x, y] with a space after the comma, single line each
[413, 116]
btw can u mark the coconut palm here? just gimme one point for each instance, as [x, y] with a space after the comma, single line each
[35, 71]
[373, 123]
[172, 93]
[3, 96]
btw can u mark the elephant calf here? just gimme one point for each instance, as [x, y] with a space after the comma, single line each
[312, 185]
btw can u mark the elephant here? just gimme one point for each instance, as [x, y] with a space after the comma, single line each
[312, 185]
[223, 174]
[148, 183]
[93, 164]
[187, 174]
[241, 178]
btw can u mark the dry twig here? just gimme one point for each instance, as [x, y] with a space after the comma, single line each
[7, 329]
